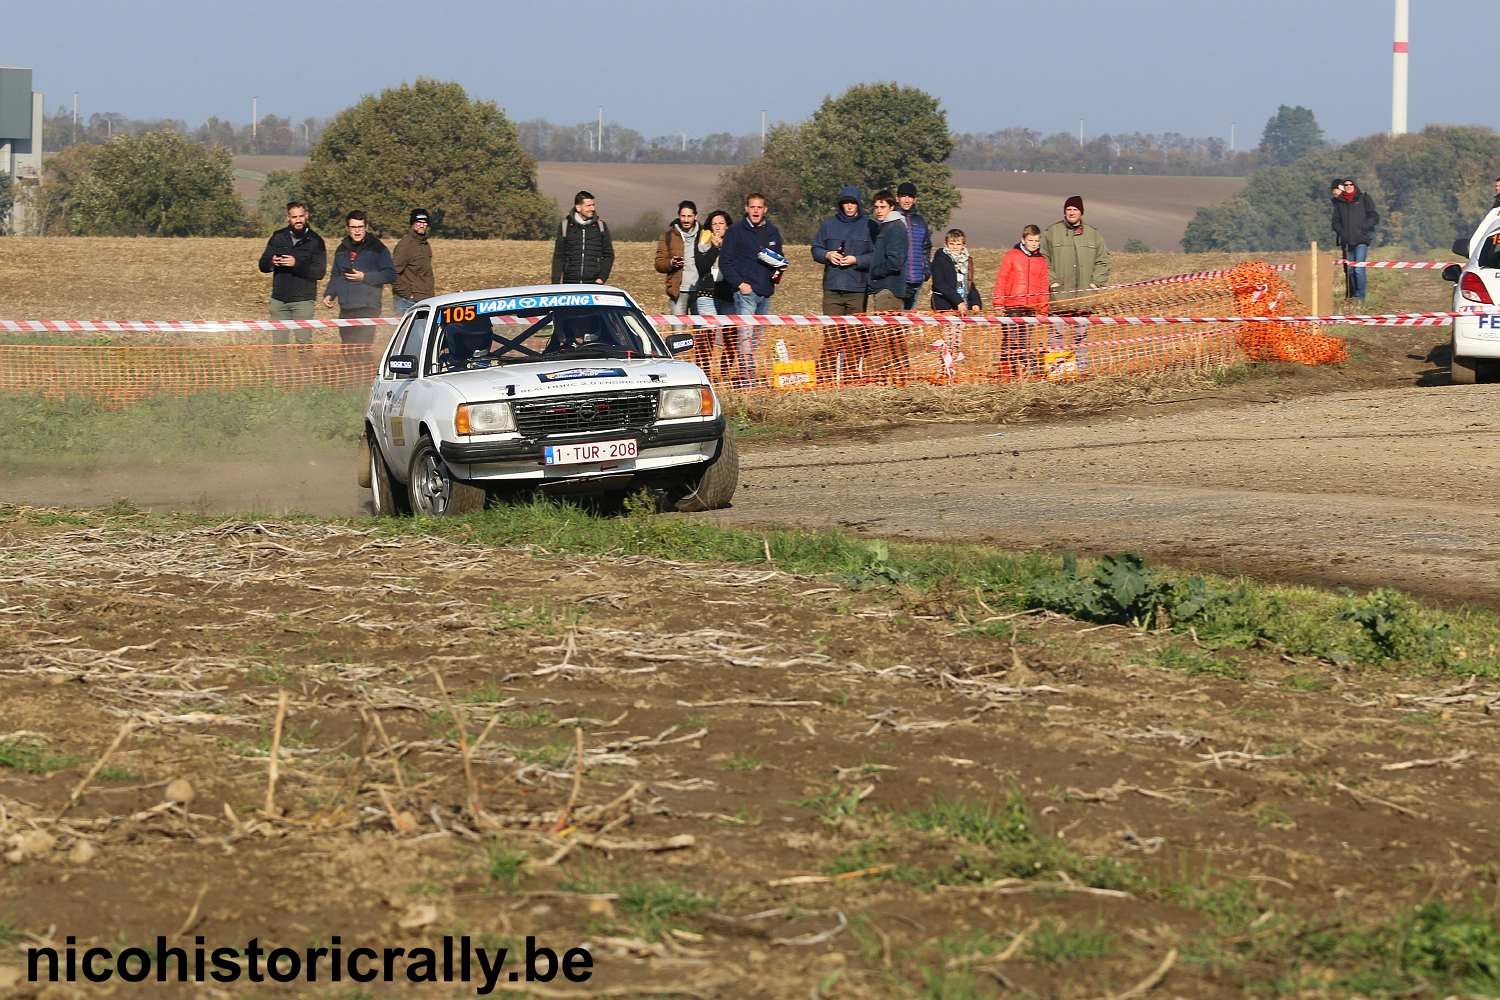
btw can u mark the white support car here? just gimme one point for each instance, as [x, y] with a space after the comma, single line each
[1476, 294]
[551, 387]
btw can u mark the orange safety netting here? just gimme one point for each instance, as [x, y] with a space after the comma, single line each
[775, 357]
[126, 373]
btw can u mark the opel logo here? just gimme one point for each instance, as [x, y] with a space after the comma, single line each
[592, 412]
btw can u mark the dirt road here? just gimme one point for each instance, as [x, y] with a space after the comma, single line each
[1387, 487]
[1364, 488]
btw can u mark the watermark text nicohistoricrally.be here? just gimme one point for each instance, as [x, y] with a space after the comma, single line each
[452, 960]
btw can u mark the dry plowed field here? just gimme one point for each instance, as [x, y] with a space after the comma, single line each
[787, 786]
[996, 204]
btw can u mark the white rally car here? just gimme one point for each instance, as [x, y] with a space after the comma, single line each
[1476, 295]
[551, 387]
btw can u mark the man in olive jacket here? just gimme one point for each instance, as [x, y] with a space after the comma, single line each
[1077, 258]
[413, 260]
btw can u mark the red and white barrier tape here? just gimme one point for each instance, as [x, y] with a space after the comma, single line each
[1398, 265]
[714, 322]
[1174, 279]
[181, 326]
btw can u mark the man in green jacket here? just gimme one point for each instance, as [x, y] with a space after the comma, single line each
[1077, 259]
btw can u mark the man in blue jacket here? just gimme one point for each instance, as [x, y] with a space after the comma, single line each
[845, 245]
[362, 267]
[887, 285]
[919, 247]
[746, 261]
[887, 282]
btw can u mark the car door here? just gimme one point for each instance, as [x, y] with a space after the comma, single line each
[398, 416]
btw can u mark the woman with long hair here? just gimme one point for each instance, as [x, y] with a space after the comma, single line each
[713, 296]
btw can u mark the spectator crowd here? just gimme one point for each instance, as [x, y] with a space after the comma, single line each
[876, 261]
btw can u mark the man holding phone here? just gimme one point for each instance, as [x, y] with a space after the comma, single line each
[675, 258]
[296, 258]
[362, 267]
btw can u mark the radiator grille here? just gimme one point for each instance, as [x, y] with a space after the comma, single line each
[603, 411]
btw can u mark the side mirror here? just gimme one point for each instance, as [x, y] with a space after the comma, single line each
[679, 342]
[1452, 272]
[1461, 247]
[402, 366]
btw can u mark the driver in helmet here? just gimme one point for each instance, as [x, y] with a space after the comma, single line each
[464, 340]
[580, 330]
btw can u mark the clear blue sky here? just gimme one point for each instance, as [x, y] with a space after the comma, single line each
[665, 66]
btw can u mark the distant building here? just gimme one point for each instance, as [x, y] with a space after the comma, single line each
[20, 132]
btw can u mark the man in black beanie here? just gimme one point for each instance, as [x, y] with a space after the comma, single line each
[413, 259]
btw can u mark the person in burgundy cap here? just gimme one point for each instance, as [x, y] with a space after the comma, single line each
[1077, 263]
[1077, 257]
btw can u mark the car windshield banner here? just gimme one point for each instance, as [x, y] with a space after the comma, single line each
[460, 312]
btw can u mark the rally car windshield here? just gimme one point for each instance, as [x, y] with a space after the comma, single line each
[1489, 255]
[529, 329]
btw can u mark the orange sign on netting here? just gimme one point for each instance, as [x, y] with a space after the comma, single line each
[1146, 327]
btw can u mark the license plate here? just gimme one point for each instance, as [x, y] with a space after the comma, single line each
[594, 451]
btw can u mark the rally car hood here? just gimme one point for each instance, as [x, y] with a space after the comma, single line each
[565, 377]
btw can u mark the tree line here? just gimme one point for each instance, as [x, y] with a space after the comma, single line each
[1005, 149]
[271, 135]
[1429, 187]
[429, 143]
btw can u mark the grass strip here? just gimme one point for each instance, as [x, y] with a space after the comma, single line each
[1381, 628]
[257, 423]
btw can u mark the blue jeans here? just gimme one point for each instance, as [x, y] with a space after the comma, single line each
[710, 306]
[1357, 276]
[403, 306]
[747, 338]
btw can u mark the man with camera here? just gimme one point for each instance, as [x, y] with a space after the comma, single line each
[675, 258]
[362, 267]
[296, 258]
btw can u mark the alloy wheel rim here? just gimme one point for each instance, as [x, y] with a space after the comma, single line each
[435, 486]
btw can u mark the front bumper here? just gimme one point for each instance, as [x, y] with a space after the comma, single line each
[660, 446]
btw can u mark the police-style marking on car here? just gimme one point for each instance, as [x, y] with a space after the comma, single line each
[573, 373]
[521, 303]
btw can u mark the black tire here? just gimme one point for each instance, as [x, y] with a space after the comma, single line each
[431, 489]
[386, 496]
[366, 474]
[1463, 371]
[713, 487]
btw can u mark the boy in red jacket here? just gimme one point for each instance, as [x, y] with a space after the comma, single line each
[1021, 289]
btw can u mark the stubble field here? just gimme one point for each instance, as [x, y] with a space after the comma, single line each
[726, 775]
[125, 278]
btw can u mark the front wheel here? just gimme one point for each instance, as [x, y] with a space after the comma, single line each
[432, 489]
[713, 485]
[386, 497]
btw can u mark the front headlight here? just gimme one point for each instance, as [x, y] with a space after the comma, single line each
[484, 418]
[693, 401]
